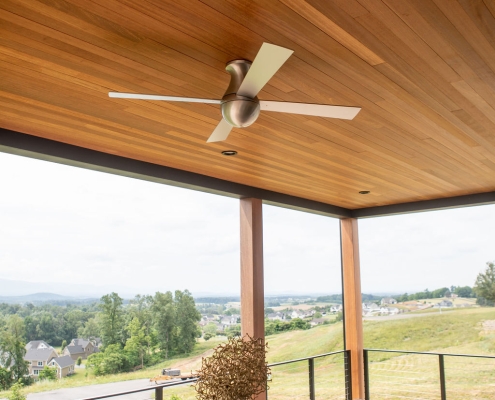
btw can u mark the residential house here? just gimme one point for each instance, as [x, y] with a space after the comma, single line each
[317, 321]
[80, 348]
[301, 314]
[389, 310]
[38, 355]
[278, 316]
[335, 309]
[37, 344]
[228, 321]
[65, 365]
[444, 303]
[388, 300]
[371, 307]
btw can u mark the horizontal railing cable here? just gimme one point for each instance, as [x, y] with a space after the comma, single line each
[400, 377]
[166, 385]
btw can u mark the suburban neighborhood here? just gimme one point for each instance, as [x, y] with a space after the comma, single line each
[40, 354]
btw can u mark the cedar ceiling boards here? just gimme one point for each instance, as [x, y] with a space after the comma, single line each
[422, 71]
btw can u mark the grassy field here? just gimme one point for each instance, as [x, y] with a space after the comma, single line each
[392, 376]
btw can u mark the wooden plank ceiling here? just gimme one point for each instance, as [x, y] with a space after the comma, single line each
[422, 71]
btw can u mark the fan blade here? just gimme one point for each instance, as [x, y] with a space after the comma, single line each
[318, 110]
[221, 132]
[267, 62]
[137, 96]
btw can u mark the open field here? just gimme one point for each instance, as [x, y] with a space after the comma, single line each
[392, 375]
[457, 331]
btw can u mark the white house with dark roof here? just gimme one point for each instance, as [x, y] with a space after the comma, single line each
[38, 354]
[65, 366]
[388, 300]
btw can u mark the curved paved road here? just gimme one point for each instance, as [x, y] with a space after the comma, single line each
[97, 390]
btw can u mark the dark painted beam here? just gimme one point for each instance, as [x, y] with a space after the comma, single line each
[49, 150]
[44, 149]
[477, 199]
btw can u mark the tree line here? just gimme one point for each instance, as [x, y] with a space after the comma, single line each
[148, 330]
[461, 291]
[145, 331]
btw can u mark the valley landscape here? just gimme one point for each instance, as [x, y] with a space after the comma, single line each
[458, 330]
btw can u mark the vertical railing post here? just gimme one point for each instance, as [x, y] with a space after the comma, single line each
[366, 375]
[348, 375]
[311, 367]
[443, 391]
[159, 393]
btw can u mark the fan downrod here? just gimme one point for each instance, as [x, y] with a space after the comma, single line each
[239, 111]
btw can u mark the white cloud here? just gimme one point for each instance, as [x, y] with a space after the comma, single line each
[74, 226]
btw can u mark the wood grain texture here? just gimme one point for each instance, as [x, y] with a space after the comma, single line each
[423, 72]
[351, 275]
[252, 283]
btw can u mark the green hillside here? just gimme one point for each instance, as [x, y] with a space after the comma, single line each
[458, 331]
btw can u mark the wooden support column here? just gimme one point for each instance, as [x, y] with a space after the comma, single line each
[252, 286]
[352, 302]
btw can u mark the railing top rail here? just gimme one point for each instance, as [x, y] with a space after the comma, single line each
[106, 396]
[430, 353]
[306, 358]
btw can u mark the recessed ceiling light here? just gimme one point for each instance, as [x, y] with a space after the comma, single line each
[364, 192]
[229, 152]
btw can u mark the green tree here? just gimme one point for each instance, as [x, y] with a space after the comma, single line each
[13, 347]
[5, 378]
[464, 291]
[64, 345]
[210, 330]
[112, 319]
[90, 330]
[317, 315]
[79, 361]
[48, 373]
[298, 323]
[485, 283]
[164, 317]
[187, 321]
[110, 361]
[233, 331]
[138, 344]
[16, 393]
[74, 320]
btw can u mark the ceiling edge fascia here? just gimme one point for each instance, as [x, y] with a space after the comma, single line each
[62, 153]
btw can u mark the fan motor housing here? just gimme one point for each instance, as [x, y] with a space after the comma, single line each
[239, 111]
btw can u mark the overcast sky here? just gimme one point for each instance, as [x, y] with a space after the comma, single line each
[73, 231]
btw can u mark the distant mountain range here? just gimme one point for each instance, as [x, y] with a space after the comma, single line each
[37, 298]
[15, 288]
[16, 291]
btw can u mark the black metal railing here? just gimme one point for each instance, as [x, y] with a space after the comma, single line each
[324, 375]
[158, 389]
[425, 375]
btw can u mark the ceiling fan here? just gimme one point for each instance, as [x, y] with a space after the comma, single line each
[240, 106]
